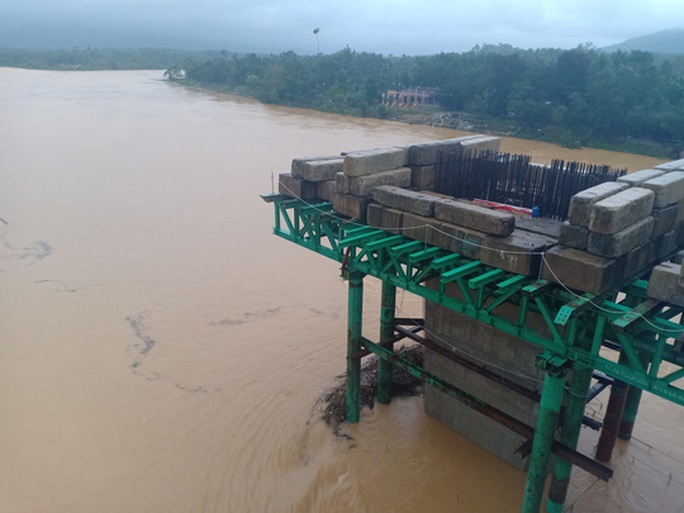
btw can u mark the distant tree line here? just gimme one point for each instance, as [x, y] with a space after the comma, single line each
[96, 58]
[579, 97]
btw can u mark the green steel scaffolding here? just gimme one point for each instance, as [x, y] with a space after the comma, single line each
[623, 334]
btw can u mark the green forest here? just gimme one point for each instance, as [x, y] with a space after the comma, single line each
[630, 101]
[633, 101]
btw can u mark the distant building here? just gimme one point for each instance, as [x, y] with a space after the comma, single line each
[411, 97]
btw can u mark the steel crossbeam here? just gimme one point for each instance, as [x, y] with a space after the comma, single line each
[577, 326]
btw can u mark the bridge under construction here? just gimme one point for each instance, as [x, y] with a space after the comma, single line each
[531, 309]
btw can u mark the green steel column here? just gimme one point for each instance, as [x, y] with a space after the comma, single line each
[354, 331]
[576, 400]
[631, 407]
[611, 421]
[551, 399]
[629, 415]
[388, 301]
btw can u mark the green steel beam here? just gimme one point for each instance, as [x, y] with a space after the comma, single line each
[643, 330]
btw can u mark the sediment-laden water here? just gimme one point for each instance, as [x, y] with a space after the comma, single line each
[161, 351]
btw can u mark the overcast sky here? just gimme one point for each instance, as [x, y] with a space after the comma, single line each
[389, 27]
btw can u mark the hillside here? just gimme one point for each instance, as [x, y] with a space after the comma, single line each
[666, 42]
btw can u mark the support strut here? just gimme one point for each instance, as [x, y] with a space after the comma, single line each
[354, 333]
[387, 306]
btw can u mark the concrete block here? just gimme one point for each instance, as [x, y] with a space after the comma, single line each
[614, 213]
[665, 284]
[444, 235]
[679, 257]
[342, 183]
[361, 163]
[668, 188]
[478, 218]
[422, 177]
[317, 170]
[622, 242]
[665, 219]
[429, 153]
[637, 260]
[580, 270]
[364, 185]
[483, 143]
[351, 206]
[574, 236]
[297, 167]
[664, 246]
[638, 178]
[404, 199]
[541, 225]
[389, 219]
[325, 190]
[675, 165]
[519, 253]
[582, 202]
[296, 187]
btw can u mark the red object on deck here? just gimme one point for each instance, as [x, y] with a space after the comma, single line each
[504, 206]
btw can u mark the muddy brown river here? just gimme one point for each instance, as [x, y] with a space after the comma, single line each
[162, 352]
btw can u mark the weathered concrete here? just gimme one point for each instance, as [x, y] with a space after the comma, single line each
[541, 225]
[622, 242]
[352, 206]
[342, 183]
[364, 185]
[665, 219]
[614, 213]
[296, 187]
[317, 170]
[665, 284]
[325, 190]
[675, 165]
[404, 199]
[668, 188]
[580, 270]
[574, 236]
[297, 166]
[664, 245]
[519, 253]
[482, 143]
[389, 219]
[429, 153]
[444, 235]
[508, 355]
[361, 163]
[638, 178]
[582, 202]
[637, 259]
[483, 219]
[422, 177]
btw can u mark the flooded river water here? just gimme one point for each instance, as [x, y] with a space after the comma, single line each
[162, 352]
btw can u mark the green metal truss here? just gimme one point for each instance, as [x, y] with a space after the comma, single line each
[589, 330]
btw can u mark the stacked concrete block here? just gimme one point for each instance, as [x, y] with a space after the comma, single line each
[365, 184]
[621, 228]
[317, 169]
[430, 153]
[666, 283]
[406, 200]
[638, 178]
[675, 165]
[479, 218]
[296, 187]
[325, 190]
